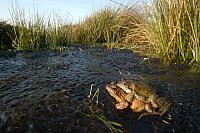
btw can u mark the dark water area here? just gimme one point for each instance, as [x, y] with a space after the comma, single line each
[47, 91]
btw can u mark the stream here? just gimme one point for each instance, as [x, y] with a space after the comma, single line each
[48, 91]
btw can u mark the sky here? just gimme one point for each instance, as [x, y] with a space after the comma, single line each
[71, 10]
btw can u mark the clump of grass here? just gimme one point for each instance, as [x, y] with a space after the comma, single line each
[56, 35]
[113, 126]
[109, 25]
[175, 28]
[110, 124]
[97, 28]
[29, 35]
[36, 32]
[169, 30]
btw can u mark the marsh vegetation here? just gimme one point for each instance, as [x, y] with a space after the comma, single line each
[168, 29]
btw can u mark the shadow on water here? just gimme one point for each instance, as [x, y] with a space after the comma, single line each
[47, 91]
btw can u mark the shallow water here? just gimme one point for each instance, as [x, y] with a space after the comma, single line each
[47, 91]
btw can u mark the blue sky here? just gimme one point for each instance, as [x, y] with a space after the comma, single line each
[72, 10]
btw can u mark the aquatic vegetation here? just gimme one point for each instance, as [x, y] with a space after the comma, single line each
[29, 35]
[111, 25]
[168, 30]
[36, 32]
[174, 25]
[55, 37]
[100, 27]
[110, 124]
[113, 126]
[31, 38]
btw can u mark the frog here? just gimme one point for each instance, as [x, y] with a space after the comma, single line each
[118, 94]
[139, 97]
[141, 91]
[145, 98]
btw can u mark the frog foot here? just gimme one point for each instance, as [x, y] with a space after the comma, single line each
[121, 105]
[163, 107]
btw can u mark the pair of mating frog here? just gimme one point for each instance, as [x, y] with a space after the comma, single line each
[140, 97]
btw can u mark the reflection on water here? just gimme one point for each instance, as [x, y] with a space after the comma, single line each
[46, 91]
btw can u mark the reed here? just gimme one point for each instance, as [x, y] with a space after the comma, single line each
[97, 28]
[37, 32]
[29, 35]
[56, 35]
[175, 28]
[116, 27]
[170, 30]
[113, 126]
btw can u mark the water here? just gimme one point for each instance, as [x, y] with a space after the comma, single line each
[47, 91]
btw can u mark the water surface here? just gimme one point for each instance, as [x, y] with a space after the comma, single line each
[47, 91]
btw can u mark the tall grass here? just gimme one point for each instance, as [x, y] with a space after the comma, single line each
[28, 34]
[56, 33]
[36, 32]
[99, 27]
[170, 30]
[175, 28]
[109, 25]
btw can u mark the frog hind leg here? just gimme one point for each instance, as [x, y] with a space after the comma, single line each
[166, 108]
[121, 105]
[144, 114]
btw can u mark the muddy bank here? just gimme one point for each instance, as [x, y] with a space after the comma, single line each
[47, 91]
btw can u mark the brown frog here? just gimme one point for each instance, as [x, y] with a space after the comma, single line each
[141, 98]
[145, 99]
[118, 94]
[124, 97]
